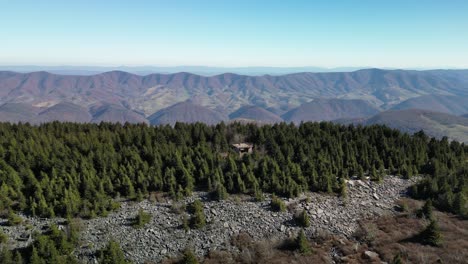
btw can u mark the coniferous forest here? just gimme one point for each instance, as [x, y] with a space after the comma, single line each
[68, 169]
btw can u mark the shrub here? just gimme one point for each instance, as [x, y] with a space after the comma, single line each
[366, 232]
[403, 206]
[178, 208]
[277, 204]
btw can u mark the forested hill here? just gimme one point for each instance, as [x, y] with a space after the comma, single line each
[76, 169]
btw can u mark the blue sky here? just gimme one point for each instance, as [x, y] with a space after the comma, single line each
[226, 33]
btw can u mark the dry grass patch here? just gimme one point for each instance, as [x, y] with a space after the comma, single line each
[392, 235]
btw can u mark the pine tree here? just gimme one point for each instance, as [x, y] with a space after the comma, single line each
[139, 196]
[185, 222]
[220, 192]
[343, 189]
[277, 204]
[258, 194]
[361, 173]
[35, 259]
[431, 234]
[426, 210]
[5, 256]
[18, 259]
[189, 257]
[198, 216]
[460, 204]
[374, 175]
[112, 254]
[141, 219]
[302, 219]
[14, 219]
[302, 244]
[397, 259]
[3, 237]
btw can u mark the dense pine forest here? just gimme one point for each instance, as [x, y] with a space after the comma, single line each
[68, 169]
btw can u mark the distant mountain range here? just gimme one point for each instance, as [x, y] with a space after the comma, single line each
[201, 70]
[365, 96]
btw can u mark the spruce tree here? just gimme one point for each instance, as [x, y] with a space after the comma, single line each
[35, 259]
[6, 257]
[18, 259]
[198, 216]
[397, 259]
[112, 254]
[343, 189]
[277, 204]
[302, 219]
[302, 244]
[426, 210]
[431, 234]
[141, 219]
[189, 257]
[219, 193]
[3, 237]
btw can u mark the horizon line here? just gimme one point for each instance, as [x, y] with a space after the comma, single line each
[228, 67]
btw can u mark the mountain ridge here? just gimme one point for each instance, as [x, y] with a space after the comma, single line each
[293, 97]
[330, 109]
[435, 124]
[455, 105]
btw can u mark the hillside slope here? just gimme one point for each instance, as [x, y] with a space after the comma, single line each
[186, 112]
[330, 109]
[18, 112]
[433, 123]
[64, 112]
[255, 113]
[115, 113]
[455, 105]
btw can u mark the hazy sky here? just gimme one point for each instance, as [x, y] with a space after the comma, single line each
[378, 33]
